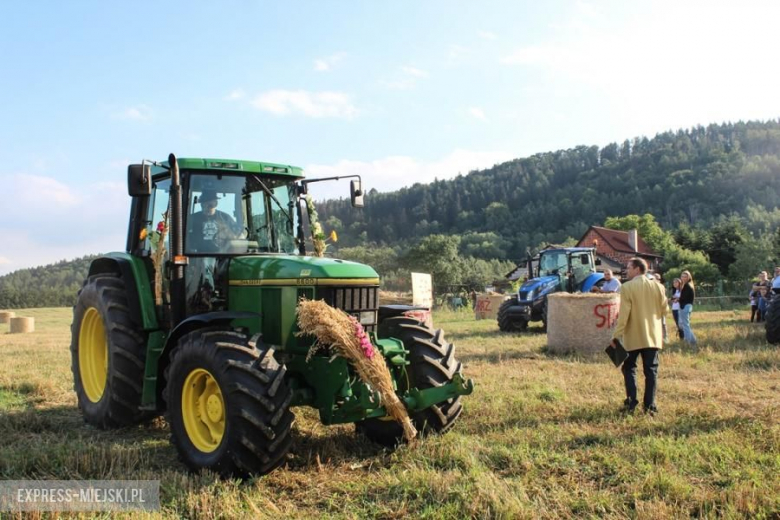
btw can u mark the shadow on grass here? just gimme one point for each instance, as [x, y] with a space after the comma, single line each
[309, 452]
[500, 357]
[682, 426]
[56, 443]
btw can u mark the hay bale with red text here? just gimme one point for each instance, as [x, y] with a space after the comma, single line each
[581, 322]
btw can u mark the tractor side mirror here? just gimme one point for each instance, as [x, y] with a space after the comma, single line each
[356, 194]
[598, 261]
[139, 180]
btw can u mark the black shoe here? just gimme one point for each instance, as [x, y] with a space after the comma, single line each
[652, 411]
[629, 406]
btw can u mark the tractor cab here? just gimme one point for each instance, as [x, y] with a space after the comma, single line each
[571, 269]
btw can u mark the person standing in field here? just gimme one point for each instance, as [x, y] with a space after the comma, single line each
[761, 290]
[642, 305]
[676, 284]
[687, 295]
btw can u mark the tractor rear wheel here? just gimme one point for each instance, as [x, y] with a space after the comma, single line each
[508, 323]
[108, 353]
[432, 364]
[772, 319]
[228, 403]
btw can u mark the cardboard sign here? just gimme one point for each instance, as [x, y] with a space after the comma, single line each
[422, 290]
[422, 296]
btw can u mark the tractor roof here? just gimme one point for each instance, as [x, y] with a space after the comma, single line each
[238, 166]
[568, 249]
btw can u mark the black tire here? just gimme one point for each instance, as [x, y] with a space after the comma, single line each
[432, 363]
[255, 402]
[544, 314]
[103, 299]
[772, 321]
[508, 324]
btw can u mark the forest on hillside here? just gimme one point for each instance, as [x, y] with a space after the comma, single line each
[691, 178]
[54, 285]
[705, 198]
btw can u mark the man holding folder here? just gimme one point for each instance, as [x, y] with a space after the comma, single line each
[642, 305]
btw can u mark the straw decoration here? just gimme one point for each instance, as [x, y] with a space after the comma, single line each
[346, 337]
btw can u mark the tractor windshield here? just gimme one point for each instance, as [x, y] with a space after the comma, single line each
[238, 214]
[553, 263]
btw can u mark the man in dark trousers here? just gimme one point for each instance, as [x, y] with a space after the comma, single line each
[642, 305]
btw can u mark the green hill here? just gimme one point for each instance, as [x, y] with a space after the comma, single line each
[54, 285]
[693, 176]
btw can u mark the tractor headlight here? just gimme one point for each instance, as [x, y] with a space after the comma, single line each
[367, 318]
[529, 296]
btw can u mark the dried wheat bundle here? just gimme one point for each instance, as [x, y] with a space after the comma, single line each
[344, 334]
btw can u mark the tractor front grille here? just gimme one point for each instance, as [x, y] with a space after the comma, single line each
[360, 302]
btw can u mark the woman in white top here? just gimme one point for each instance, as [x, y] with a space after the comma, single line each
[676, 305]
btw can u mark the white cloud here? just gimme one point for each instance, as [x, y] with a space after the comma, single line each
[395, 172]
[59, 220]
[311, 104]
[235, 95]
[651, 81]
[478, 113]
[487, 35]
[327, 63]
[135, 113]
[415, 72]
[408, 80]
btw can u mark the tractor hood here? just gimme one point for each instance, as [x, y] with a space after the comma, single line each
[299, 270]
[536, 287]
[535, 283]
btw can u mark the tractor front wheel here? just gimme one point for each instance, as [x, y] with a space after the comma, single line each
[507, 323]
[108, 351]
[432, 364]
[228, 403]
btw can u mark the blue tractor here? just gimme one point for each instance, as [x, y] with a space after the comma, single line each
[570, 269]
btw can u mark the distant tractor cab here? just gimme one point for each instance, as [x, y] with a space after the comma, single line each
[197, 319]
[570, 269]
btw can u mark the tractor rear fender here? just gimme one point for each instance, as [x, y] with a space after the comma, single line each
[198, 321]
[133, 271]
[590, 281]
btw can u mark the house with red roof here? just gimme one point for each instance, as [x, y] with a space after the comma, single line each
[614, 247]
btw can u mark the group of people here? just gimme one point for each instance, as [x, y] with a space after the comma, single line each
[683, 294]
[760, 294]
[641, 324]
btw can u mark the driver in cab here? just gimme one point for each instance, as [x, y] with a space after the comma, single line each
[209, 230]
[611, 284]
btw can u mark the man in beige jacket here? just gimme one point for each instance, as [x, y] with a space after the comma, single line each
[642, 305]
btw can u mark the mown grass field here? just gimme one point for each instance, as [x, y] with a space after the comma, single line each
[541, 437]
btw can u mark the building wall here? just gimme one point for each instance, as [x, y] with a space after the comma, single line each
[603, 248]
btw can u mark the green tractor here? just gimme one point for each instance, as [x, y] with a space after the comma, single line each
[197, 320]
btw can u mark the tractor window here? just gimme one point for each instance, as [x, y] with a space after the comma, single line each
[553, 262]
[233, 214]
[158, 207]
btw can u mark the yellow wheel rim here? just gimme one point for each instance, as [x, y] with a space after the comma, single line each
[203, 410]
[93, 355]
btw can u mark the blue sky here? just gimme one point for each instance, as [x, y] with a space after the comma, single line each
[400, 92]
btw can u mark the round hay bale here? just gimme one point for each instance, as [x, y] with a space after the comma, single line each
[581, 322]
[22, 325]
[487, 306]
[5, 316]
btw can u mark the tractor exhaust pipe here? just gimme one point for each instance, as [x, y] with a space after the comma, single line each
[178, 260]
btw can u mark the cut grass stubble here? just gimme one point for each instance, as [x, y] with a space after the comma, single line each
[542, 436]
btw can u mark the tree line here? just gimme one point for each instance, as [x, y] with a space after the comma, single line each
[706, 198]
